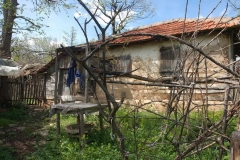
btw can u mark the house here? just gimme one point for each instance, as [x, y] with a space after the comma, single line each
[158, 58]
[162, 63]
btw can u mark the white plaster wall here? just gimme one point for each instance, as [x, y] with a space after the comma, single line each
[146, 56]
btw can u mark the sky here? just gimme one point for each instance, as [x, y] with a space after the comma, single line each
[164, 10]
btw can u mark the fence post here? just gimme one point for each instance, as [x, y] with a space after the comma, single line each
[56, 91]
[22, 89]
[235, 142]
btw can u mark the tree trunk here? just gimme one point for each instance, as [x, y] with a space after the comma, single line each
[7, 29]
[9, 14]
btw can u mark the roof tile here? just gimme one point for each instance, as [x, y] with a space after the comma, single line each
[175, 27]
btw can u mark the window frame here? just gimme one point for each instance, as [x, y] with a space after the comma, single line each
[121, 63]
[169, 58]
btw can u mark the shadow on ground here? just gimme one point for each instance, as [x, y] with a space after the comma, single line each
[22, 135]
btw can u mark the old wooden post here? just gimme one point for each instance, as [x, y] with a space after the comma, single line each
[22, 88]
[235, 142]
[56, 91]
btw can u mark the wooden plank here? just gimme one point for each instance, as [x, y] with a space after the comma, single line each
[25, 90]
[81, 126]
[56, 78]
[58, 123]
[39, 98]
[235, 146]
[44, 88]
[10, 89]
[69, 98]
[18, 91]
[14, 91]
[28, 92]
[100, 120]
[35, 92]
[22, 91]
[31, 93]
[60, 83]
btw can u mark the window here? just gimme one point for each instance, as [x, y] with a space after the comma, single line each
[122, 64]
[169, 56]
[119, 64]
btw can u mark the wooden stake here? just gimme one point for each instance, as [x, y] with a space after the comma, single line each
[235, 146]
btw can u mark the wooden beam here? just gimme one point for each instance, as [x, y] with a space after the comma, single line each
[235, 146]
[230, 49]
[56, 78]
[56, 91]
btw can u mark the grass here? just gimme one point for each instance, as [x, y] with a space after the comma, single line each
[17, 125]
[4, 122]
[15, 113]
[66, 147]
[147, 137]
[150, 142]
[11, 116]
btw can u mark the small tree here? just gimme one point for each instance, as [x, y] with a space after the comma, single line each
[121, 12]
[28, 50]
[70, 37]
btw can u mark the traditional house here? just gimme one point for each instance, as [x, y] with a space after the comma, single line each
[163, 60]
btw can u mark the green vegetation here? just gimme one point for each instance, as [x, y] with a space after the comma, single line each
[13, 115]
[16, 113]
[98, 144]
[6, 153]
[147, 136]
[151, 139]
[5, 122]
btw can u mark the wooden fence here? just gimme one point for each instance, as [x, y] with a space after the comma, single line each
[28, 91]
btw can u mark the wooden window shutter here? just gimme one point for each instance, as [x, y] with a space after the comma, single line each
[169, 57]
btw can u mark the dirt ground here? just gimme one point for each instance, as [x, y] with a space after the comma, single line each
[23, 136]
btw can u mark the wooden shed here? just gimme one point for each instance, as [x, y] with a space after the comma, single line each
[62, 62]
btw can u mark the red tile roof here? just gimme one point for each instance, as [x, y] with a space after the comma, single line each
[178, 26]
